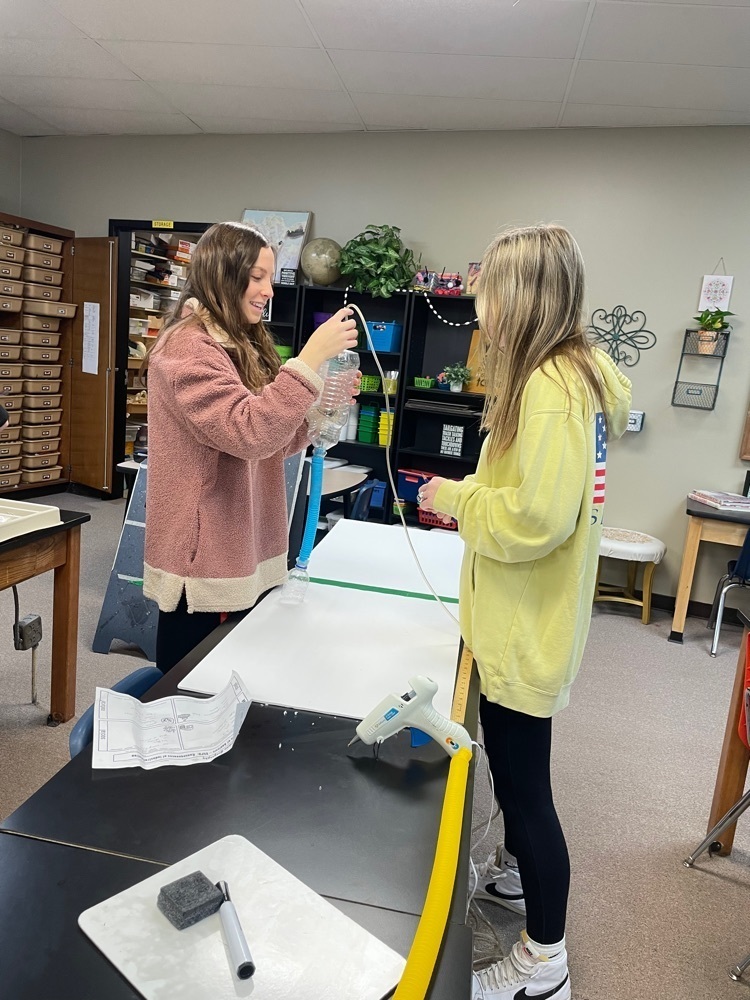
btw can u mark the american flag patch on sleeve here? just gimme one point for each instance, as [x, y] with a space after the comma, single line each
[600, 466]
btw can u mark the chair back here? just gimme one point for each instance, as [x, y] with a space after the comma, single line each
[134, 684]
[361, 507]
[742, 568]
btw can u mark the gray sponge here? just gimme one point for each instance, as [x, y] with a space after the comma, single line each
[189, 899]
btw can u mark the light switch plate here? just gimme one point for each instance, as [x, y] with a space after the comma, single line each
[635, 420]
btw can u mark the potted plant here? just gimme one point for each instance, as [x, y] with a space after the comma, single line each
[712, 323]
[455, 376]
[378, 262]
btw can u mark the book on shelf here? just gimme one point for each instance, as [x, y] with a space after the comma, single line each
[722, 501]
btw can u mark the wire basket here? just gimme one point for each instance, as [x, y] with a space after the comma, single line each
[370, 383]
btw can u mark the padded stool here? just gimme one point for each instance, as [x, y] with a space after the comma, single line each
[634, 547]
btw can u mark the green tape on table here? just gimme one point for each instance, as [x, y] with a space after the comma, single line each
[382, 590]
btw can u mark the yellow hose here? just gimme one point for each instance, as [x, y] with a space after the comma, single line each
[426, 944]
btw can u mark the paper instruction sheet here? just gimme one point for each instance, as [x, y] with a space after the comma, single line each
[176, 730]
[90, 354]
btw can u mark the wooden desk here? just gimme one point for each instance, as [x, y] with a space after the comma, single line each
[705, 524]
[26, 556]
[733, 764]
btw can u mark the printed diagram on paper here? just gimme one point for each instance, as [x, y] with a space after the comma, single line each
[176, 730]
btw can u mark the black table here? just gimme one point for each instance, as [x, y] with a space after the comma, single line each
[46, 886]
[59, 548]
[358, 831]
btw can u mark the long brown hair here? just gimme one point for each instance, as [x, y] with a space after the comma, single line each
[219, 274]
[530, 305]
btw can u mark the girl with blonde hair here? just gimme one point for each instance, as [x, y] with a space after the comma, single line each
[223, 414]
[531, 520]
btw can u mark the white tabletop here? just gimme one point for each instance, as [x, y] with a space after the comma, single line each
[341, 480]
[372, 555]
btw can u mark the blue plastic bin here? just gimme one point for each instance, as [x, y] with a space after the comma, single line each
[378, 494]
[410, 482]
[385, 336]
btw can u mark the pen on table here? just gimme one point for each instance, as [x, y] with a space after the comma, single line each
[239, 953]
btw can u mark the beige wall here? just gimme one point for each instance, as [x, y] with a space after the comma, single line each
[653, 209]
[10, 172]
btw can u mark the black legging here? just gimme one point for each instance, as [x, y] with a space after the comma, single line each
[178, 632]
[518, 750]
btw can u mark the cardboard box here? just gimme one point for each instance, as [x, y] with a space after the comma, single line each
[141, 299]
[180, 243]
[477, 382]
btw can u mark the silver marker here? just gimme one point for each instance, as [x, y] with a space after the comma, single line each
[239, 953]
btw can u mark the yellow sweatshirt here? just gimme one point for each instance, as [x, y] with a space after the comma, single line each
[532, 524]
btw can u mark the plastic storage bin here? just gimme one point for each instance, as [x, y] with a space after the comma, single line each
[10, 449]
[51, 354]
[11, 371]
[41, 432]
[49, 293]
[11, 254]
[10, 480]
[8, 270]
[40, 307]
[11, 289]
[10, 305]
[9, 465]
[12, 237]
[385, 336]
[41, 276]
[39, 258]
[14, 416]
[13, 400]
[12, 337]
[44, 244]
[424, 383]
[35, 417]
[41, 371]
[42, 475]
[410, 482]
[40, 323]
[42, 446]
[370, 383]
[9, 433]
[38, 461]
[35, 338]
[37, 385]
[434, 521]
[9, 352]
[50, 401]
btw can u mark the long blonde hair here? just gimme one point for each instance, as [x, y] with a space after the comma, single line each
[219, 274]
[529, 304]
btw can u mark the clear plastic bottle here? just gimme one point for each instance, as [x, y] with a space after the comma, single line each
[325, 420]
[331, 411]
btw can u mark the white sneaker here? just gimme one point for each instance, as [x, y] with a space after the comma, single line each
[523, 975]
[499, 882]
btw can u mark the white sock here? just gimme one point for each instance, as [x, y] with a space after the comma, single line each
[509, 859]
[542, 951]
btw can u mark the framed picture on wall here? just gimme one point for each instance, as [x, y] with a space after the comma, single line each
[285, 231]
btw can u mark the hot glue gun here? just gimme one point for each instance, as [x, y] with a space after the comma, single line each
[413, 710]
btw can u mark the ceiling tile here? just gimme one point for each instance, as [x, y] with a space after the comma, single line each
[382, 111]
[71, 57]
[34, 19]
[66, 92]
[78, 121]
[258, 102]
[244, 126]
[646, 32]
[609, 116]
[229, 65]
[652, 85]
[251, 22]
[20, 122]
[488, 77]
[545, 28]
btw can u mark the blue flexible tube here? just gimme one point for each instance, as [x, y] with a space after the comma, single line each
[313, 508]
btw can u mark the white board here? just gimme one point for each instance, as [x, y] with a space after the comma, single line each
[375, 555]
[338, 653]
[302, 945]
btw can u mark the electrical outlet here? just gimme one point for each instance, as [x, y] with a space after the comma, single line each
[28, 633]
[635, 420]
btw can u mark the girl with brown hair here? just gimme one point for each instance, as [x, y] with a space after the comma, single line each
[223, 415]
[531, 519]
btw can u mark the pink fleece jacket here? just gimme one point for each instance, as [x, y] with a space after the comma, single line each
[216, 518]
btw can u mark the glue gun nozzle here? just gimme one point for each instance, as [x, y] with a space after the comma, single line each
[353, 740]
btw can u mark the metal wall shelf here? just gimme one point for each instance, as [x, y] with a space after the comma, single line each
[700, 347]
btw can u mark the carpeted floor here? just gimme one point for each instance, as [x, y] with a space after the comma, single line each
[634, 759]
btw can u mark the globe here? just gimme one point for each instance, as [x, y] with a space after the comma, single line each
[320, 261]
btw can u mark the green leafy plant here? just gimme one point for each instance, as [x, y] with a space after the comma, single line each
[713, 319]
[378, 262]
[457, 373]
